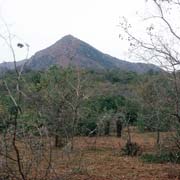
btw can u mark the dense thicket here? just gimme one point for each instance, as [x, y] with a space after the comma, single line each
[67, 99]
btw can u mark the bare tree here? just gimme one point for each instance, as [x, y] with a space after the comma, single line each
[21, 151]
[158, 42]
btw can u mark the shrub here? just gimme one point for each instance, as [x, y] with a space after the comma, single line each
[87, 128]
[161, 157]
[131, 149]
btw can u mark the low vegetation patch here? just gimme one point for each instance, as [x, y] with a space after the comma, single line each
[164, 157]
[131, 149]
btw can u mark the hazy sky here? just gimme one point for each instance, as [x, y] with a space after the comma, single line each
[40, 23]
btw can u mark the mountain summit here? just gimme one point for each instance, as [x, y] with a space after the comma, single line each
[70, 51]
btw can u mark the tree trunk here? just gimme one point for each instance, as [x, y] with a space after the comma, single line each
[118, 128]
[107, 128]
[58, 141]
[158, 137]
[129, 134]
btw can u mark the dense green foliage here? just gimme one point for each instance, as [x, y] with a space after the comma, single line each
[70, 101]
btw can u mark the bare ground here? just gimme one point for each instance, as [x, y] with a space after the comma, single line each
[99, 159]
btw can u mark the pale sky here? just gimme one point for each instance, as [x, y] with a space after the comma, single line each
[41, 23]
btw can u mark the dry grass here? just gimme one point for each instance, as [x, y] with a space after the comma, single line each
[99, 159]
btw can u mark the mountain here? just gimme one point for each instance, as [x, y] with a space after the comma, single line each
[70, 51]
[5, 66]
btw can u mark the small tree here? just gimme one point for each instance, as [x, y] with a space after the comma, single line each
[64, 91]
[21, 151]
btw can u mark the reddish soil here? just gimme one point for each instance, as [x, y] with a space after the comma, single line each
[100, 159]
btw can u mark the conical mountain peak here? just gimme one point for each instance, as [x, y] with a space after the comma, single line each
[71, 51]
